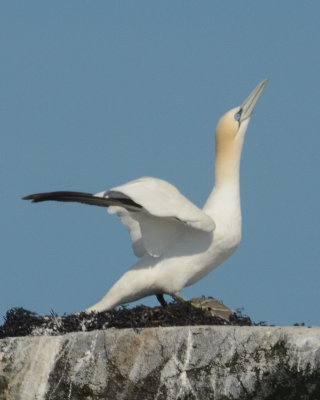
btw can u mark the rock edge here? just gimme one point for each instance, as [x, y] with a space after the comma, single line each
[190, 362]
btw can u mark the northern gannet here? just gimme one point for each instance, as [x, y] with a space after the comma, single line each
[177, 243]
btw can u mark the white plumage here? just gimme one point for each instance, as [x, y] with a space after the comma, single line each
[177, 242]
[165, 215]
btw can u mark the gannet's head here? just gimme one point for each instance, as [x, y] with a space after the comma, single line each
[231, 130]
[232, 126]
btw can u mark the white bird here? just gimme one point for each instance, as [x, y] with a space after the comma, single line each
[177, 243]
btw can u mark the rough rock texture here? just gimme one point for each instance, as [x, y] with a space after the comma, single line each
[198, 362]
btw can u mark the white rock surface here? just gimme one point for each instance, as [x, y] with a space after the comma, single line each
[198, 362]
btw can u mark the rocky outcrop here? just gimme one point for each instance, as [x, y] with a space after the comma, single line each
[199, 362]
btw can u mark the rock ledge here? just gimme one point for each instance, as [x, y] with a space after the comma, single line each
[190, 362]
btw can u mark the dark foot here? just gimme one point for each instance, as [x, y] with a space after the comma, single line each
[161, 300]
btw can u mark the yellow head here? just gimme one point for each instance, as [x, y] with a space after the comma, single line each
[230, 134]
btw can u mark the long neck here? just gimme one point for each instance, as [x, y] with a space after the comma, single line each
[224, 201]
[227, 164]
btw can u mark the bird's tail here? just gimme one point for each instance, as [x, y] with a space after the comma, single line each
[84, 198]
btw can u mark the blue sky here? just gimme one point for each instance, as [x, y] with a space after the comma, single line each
[96, 93]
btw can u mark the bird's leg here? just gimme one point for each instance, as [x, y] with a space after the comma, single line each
[161, 300]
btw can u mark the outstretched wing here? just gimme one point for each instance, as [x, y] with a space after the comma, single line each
[164, 214]
[154, 211]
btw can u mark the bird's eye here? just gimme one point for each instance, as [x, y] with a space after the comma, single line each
[237, 116]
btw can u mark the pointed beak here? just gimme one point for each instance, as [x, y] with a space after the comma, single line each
[248, 105]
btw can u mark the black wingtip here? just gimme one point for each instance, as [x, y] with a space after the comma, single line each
[59, 196]
[29, 197]
[35, 198]
[80, 197]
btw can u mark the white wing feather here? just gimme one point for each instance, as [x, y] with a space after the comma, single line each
[165, 214]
